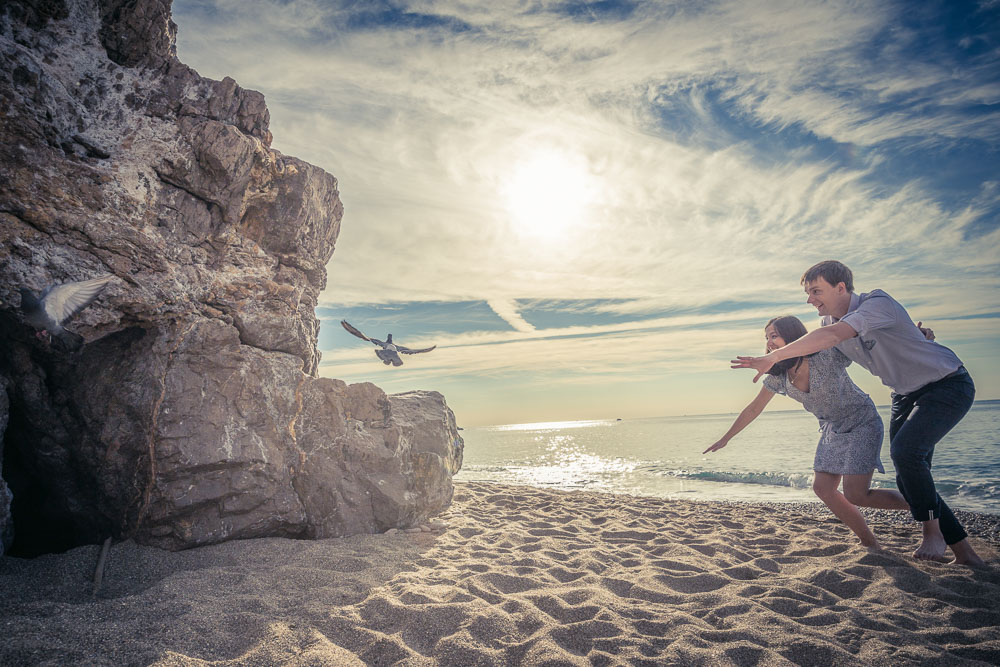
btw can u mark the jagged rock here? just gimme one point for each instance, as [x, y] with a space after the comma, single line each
[138, 33]
[193, 413]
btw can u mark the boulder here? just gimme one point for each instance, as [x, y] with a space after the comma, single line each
[193, 412]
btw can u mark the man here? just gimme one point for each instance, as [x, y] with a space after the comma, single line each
[931, 390]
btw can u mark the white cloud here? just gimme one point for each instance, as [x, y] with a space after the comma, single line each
[506, 309]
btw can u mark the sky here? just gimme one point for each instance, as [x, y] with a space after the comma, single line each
[591, 207]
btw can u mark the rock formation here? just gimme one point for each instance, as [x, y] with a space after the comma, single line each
[193, 412]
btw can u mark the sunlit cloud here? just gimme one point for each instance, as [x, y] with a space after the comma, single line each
[507, 311]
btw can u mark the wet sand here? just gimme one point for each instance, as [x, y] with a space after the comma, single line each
[521, 576]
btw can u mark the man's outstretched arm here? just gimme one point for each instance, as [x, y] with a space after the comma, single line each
[814, 341]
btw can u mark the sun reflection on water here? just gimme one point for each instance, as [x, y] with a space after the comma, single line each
[563, 463]
[549, 426]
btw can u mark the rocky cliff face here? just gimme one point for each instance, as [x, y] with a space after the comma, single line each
[192, 414]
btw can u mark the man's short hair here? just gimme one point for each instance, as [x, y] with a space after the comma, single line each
[832, 272]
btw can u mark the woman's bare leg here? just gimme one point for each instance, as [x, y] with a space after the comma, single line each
[857, 489]
[825, 486]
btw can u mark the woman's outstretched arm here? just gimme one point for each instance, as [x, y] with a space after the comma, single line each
[749, 413]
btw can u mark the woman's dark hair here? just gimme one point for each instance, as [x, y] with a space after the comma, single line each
[789, 328]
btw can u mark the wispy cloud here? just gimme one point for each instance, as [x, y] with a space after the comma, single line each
[506, 309]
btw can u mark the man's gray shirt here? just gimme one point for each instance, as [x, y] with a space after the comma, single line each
[890, 346]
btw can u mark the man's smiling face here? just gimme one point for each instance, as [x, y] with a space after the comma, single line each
[833, 300]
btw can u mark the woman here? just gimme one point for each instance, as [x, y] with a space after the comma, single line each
[851, 429]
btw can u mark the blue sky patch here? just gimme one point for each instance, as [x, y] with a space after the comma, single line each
[602, 10]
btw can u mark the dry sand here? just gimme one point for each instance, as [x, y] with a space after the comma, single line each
[520, 576]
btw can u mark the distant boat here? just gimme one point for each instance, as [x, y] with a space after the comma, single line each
[460, 428]
[619, 419]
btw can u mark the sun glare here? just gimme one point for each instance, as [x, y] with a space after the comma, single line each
[548, 194]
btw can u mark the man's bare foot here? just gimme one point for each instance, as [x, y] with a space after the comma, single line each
[973, 561]
[966, 555]
[932, 548]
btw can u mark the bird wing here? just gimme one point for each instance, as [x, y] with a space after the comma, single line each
[350, 329]
[64, 301]
[406, 350]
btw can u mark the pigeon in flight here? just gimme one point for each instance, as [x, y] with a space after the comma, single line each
[58, 303]
[389, 352]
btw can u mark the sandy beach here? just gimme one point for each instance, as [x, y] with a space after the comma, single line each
[520, 576]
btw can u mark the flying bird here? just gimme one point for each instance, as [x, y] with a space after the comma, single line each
[58, 303]
[389, 352]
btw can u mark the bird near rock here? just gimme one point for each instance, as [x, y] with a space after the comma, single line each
[389, 351]
[58, 303]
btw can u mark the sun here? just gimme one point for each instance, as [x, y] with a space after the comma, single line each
[548, 194]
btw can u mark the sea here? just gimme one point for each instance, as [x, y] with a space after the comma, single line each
[769, 461]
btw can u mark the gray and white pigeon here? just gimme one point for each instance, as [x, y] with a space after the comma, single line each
[58, 303]
[389, 352]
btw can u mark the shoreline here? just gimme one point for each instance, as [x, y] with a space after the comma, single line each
[521, 575]
[980, 525]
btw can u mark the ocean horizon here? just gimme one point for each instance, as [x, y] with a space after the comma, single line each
[770, 461]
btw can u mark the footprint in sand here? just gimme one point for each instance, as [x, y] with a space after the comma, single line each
[475, 567]
[619, 587]
[829, 550]
[676, 566]
[627, 536]
[639, 592]
[743, 573]
[562, 612]
[582, 638]
[698, 583]
[723, 615]
[507, 584]
[818, 651]
[578, 596]
[786, 606]
[839, 583]
[492, 627]
[565, 576]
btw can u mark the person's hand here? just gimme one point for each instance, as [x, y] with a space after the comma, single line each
[927, 332]
[716, 447]
[759, 364]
